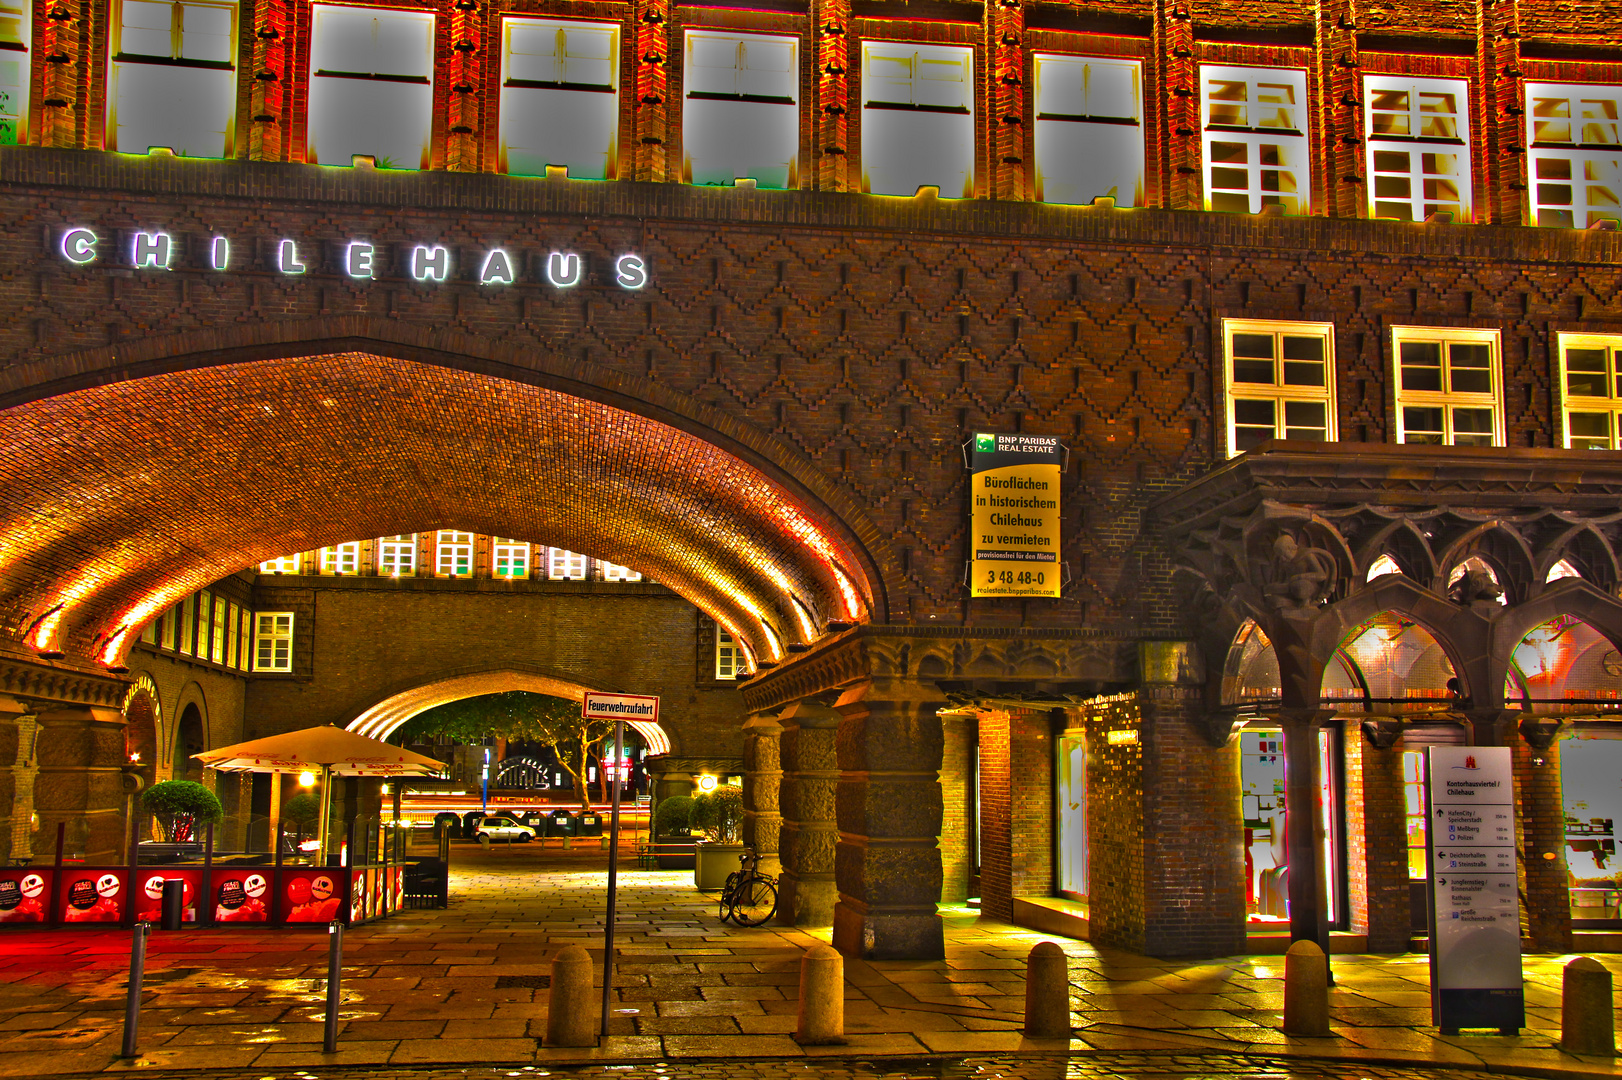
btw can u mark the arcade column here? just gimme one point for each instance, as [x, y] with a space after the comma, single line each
[18, 729]
[80, 782]
[1536, 755]
[806, 891]
[888, 861]
[762, 780]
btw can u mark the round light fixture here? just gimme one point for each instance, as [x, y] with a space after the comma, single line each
[706, 783]
[306, 778]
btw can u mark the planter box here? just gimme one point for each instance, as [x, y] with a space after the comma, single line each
[674, 853]
[712, 864]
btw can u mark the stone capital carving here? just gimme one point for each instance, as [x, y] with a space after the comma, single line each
[1382, 732]
[1540, 732]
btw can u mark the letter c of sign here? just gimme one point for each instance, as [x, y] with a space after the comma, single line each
[630, 271]
[79, 246]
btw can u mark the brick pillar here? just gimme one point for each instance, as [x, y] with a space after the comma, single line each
[1193, 835]
[806, 892]
[1008, 110]
[1115, 839]
[1547, 883]
[830, 127]
[762, 779]
[957, 764]
[1377, 838]
[650, 151]
[1340, 116]
[1177, 92]
[889, 802]
[79, 779]
[18, 762]
[996, 816]
[1016, 809]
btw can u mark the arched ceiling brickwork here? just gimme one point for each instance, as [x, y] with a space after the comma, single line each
[118, 500]
[381, 719]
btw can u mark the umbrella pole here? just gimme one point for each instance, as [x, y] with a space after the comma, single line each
[326, 809]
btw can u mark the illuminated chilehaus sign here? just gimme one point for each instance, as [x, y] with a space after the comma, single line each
[361, 260]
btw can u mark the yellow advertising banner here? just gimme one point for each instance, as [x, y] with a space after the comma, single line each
[1014, 515]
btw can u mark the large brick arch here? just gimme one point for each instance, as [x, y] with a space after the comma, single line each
[169, 469]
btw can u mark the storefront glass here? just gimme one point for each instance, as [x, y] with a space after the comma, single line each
[1072, 797]
[1413, 804]
[1591, 788]
[1263, 785]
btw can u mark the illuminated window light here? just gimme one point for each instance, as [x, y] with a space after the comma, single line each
[219, 253]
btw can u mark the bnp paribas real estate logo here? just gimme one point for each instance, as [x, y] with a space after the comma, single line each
[985, 444]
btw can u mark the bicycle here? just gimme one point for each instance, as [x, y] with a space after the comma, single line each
[749, 897]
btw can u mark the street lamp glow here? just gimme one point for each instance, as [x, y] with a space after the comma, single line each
[306, 778]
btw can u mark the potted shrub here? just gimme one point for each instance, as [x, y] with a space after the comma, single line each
[718, 815]
[672, 825]
[302, 813]
[181, 806]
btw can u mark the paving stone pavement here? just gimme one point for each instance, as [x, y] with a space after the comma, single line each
[460, 992]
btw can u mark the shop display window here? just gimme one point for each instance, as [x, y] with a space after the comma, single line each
[16, 40]
[1089, 129]
[1591, 789]
[1072, 773]
[560, 97]
[1413, 809]
[1264, 786]
[173, 78]
[917, 119]
[371, 86]
[740, 109]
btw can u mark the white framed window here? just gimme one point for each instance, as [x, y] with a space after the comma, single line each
[1575, 152]
[286, 564]
[168, 635]
[216, 651]
[1089, 129]
[1418, 147]
[205, 604]
[559, 97]
[149, 633]
[371, 86]
[1280, 382]
[454, 554]
[1255, 139]
[341, 558]
[245, 653]
[273, 641]
[615, 572]
[173, 77]
[16, 47]
[510, 558]
[741, 109]
[397, 555]
[564, 565]
[728, 657]
[1449, 390]
[917, 118]
[188, 624]
[233, 642]
[1591, 384]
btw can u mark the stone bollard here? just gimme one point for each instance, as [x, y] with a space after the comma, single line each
[571, 1019]
[822, 998]
[1306, 990]
[1047, 993]
[1587, 1022]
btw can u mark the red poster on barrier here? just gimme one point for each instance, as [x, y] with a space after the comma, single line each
[25, 895]
[359, 894]
[149, 891]
[379, 877]
[241, 896]
[95, 895]
[396, 888]
[312, 896]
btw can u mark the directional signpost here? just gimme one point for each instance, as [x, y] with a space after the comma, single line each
[618, 708]
[1475, 918]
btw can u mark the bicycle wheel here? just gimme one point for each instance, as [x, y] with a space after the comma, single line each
[755, 903]
[727, 894]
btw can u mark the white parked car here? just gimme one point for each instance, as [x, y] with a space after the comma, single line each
[500, 827]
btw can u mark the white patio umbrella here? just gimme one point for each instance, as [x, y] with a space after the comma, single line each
[330, 749]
